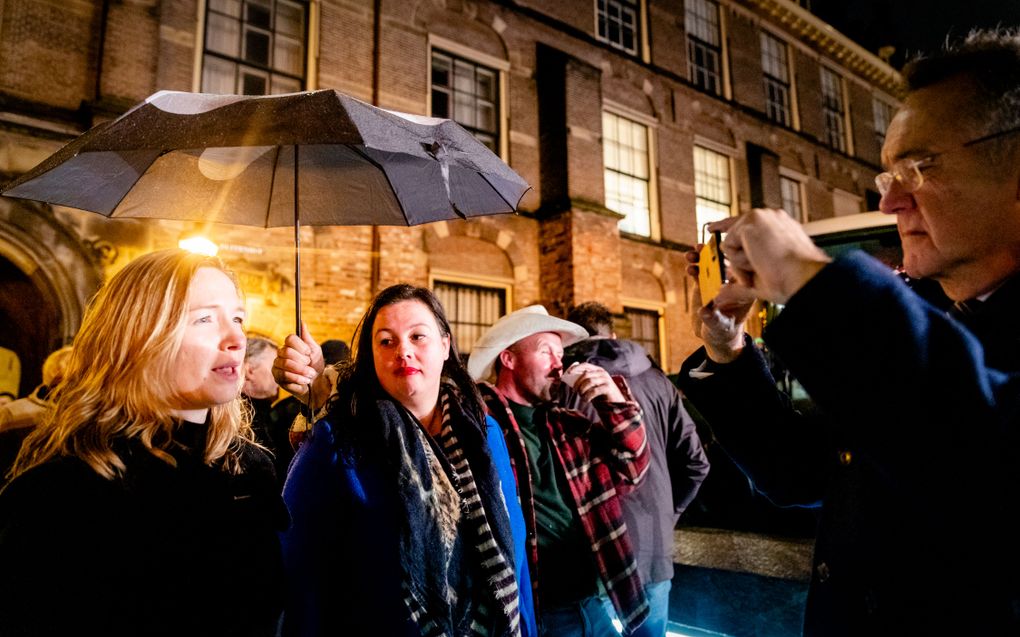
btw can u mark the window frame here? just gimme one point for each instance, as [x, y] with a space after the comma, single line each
[500, 66]
[650, 125]
[641, 48]
[722, 50]
[458, 279]
[730, 154]
[801, 181]
[887, 103]
[239, 63]
[650, 307]
[831, 115]
[791, 117]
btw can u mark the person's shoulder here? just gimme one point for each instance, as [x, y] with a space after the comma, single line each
[254, 458]
[66, 471]
[655, 380]
[61, 485]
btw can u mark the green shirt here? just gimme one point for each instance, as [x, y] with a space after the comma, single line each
[566, 571]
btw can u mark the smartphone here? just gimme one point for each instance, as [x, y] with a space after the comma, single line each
[711, 269]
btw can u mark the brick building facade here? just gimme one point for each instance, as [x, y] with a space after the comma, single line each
[634, 120]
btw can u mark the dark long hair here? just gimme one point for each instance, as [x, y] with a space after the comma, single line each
[358, 380]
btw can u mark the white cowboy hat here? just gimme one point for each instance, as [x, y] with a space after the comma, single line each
[526, 321]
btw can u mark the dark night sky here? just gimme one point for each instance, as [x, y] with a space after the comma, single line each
[913, 25]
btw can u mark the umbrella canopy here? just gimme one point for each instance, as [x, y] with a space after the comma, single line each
[231, 159]
[317, 157]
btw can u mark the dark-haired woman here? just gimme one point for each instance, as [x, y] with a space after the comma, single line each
[404, 505]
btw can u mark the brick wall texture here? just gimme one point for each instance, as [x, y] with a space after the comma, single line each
[52, 50]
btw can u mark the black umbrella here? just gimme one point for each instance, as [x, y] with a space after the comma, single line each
[318, 157]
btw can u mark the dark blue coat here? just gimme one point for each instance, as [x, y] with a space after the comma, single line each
[916, 462]
[340, 553]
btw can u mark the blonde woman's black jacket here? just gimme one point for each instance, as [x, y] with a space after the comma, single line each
[163, 550]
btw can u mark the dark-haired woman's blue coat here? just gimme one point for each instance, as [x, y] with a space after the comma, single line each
[340, 553]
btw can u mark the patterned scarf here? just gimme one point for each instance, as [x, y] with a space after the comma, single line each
[445, 491]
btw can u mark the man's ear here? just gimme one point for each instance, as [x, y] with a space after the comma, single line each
[506, 359]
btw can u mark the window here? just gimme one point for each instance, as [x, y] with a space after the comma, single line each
[834, 109]
[625, 161]
[793, 200]
[775, 64]
[711, 186]
[704, 42]
[883, 112]
[644, 329]
[618, 23]
[467, 93]
[254, 47]
[471, 310]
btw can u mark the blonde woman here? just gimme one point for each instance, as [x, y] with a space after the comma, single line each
[140, 506]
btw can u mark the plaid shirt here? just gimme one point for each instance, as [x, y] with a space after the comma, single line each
[599, 463]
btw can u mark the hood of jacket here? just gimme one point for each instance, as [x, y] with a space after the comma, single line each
[619, 357]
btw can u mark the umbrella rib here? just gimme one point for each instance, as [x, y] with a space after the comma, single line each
[121, 199]
[513, 208]
[367, 158]
[272, 185]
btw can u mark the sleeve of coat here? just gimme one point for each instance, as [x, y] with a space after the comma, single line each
[906, 383]
[785, 455]
[685, 458]
[627, 446]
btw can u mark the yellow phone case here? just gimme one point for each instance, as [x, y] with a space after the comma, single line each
[711, 273]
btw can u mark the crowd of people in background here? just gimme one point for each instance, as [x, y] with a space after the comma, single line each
[155, 483]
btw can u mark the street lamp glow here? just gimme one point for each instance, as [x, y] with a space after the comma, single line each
[199, 245]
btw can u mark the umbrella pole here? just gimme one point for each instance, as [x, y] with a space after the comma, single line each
[297, 248]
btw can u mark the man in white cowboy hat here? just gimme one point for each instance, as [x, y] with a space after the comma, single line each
[570, 471]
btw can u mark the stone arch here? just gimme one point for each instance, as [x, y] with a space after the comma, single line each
[643, 283]
[500, 239]
[53, 272]
[461, 24]
[633, 89]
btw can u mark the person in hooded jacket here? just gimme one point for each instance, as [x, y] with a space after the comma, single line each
[678, 462]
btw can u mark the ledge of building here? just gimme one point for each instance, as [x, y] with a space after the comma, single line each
[742, 552]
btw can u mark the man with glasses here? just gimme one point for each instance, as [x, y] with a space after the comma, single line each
[916, 463]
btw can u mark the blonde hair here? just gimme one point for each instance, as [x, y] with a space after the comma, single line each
[118, 381]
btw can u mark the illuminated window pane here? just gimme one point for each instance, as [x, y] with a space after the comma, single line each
[712, 187]
[218, 75]
[471, 310]
[626, 172]
[288, 56]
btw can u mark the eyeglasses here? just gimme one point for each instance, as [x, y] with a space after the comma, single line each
[908, 171]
